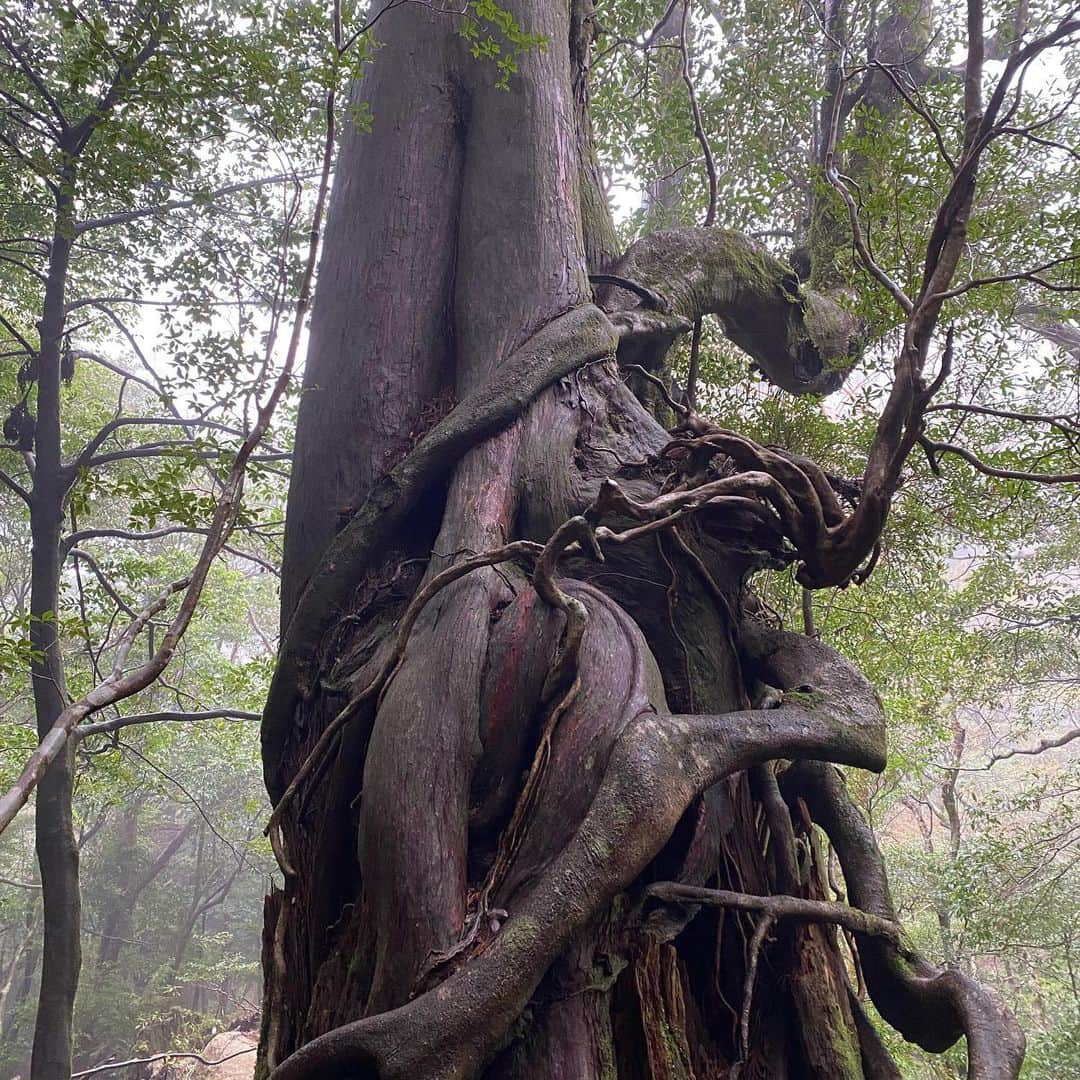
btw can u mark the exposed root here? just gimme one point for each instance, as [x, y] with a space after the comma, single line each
[675, 406]
[658, 765]
[520, 549]
[876, 1062]
[659, 762]
[761, 932]
[925, 1004]
[563, 679]
[567, 343]
[582, 336]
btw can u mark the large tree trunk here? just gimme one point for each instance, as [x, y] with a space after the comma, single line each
[465, 867]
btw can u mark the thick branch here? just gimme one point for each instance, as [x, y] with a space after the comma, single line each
[803, 341]
[925, 1004]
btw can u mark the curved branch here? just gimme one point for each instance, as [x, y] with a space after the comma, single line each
[1040, 747]
[978, 464]
[172, 1055]
[1068, 423]
[102, 727]
[803, 341]
[925, 1004]
[14, 486]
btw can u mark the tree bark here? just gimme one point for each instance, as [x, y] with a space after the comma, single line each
[475, 774]
[57, 851]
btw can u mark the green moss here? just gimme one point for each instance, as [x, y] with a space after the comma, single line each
[519, 934]
[678, 1066]
[808, 699]
[829, 239]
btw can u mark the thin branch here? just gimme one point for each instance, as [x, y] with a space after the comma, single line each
[97, 358]
[171, 448]
[29, 109]
[779, 907]
[13, 485]
[203, 200]
[86, 457]
[237, 853]
[917, 108]
[19, 884]
[1029, 751]
[170, 1056]
[14, 332]
[31, 165]
[858, 238]
[38, 83]
[142, 301]
[677, 408]
[699, 126]
[933, 447]
[129, 534]
[102, 727]
[169, 530]
[107, 585]
[1067, 422]
[25, 267]
[1031, 275]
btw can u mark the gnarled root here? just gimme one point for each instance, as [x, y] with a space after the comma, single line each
[658, 764]
[925, 1004]
[835, 547]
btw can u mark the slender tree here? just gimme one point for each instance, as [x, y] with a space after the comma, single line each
[96, 138]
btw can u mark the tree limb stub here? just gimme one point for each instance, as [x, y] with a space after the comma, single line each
[925, 1004]
[803, 341]
[659, 763]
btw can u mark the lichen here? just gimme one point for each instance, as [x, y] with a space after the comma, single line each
[519, 934]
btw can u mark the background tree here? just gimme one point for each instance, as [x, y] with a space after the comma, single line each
[117, 207]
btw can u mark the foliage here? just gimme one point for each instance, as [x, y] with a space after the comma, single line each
[970, 618]
[969, 621]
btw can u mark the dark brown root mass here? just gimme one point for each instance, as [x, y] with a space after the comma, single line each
[581, 774]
